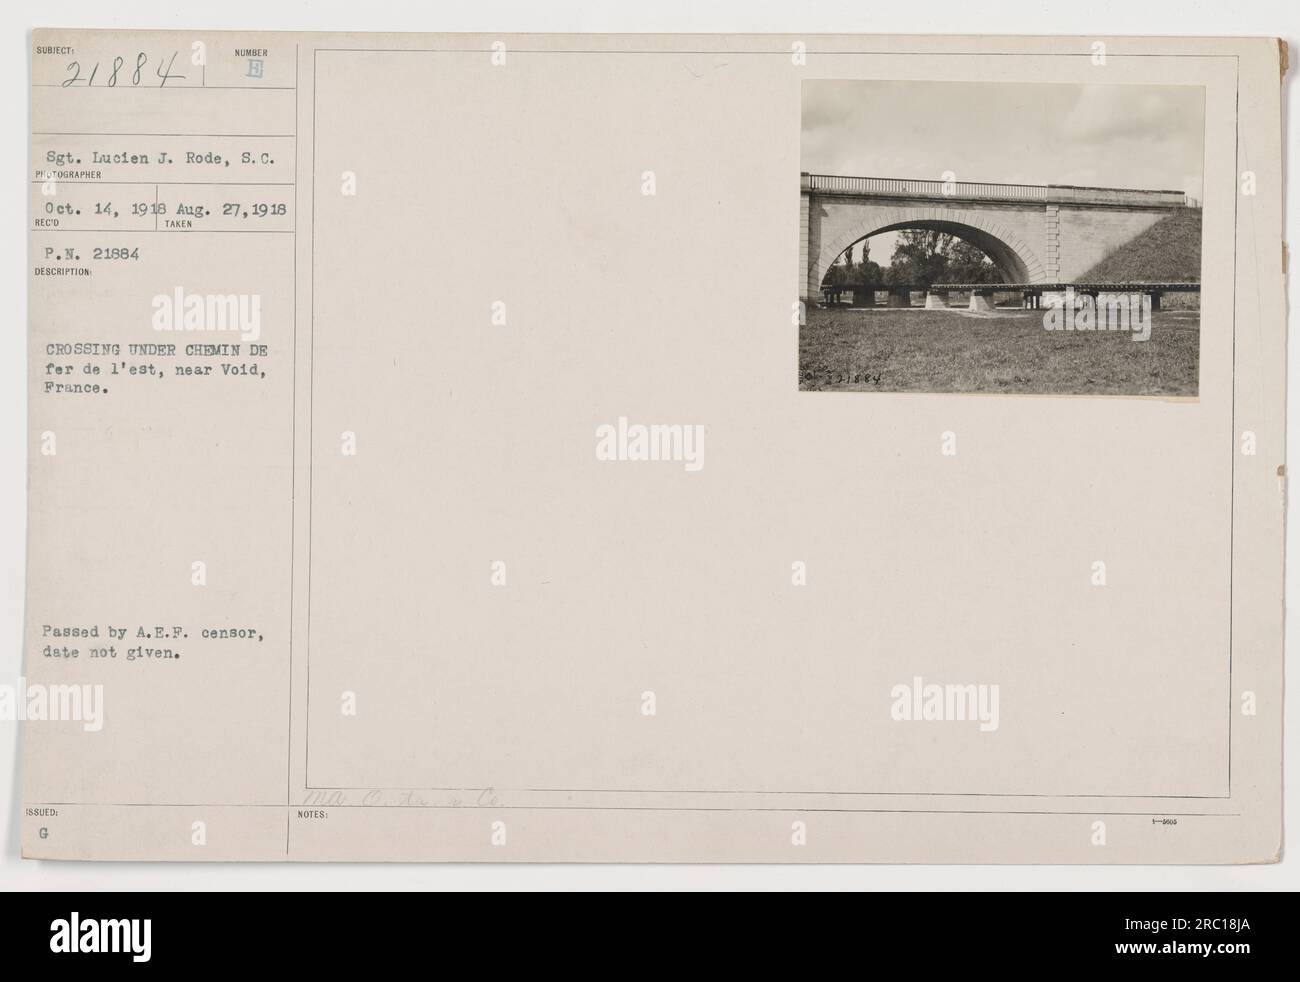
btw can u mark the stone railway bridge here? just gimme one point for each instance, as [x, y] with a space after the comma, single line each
[1033, 233]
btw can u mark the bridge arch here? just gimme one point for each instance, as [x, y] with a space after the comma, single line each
[844, 225]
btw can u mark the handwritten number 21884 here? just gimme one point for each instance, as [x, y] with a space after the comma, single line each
[119, 74]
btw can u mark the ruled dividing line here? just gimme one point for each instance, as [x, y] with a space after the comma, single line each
[216, 136]
[176, 88]
[173, 231]
[197, 184]
[787, 809]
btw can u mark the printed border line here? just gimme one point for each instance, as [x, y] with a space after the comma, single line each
[290, 231]
[638, 808]
[293, 457]
[783, 53]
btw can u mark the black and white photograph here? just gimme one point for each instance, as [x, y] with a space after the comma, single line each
[999, 237]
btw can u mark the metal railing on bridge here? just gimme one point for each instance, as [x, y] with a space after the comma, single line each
[1046, 193]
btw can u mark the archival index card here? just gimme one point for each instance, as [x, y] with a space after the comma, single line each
[657, 448]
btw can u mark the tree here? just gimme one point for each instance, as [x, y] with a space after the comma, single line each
[924, 256]
[867, 273]
[838, 274]
[920, 256]
[968, 264]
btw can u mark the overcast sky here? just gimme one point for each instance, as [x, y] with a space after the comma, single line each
[1130, 136]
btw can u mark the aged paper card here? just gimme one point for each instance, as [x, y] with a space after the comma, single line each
[654, 448]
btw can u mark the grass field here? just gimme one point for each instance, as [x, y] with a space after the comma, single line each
[916, 350]
[1169, 250]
